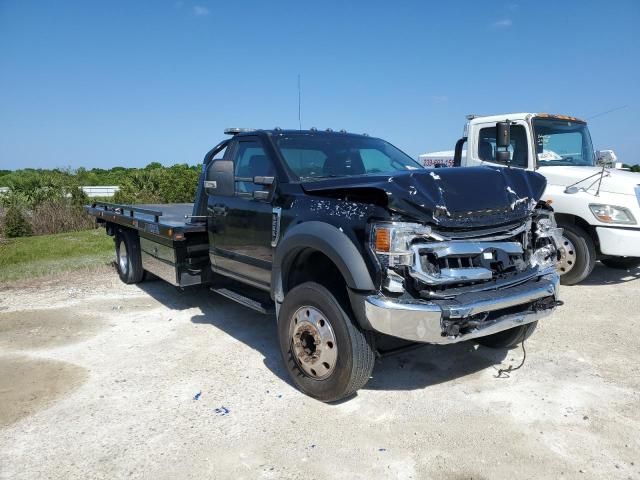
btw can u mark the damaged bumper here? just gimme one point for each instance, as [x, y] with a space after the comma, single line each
[468, 316]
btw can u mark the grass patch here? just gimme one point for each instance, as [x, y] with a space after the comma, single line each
[43, 255]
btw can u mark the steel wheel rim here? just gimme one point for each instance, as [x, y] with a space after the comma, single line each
[123, 258]
[567, 256]
[313, 343]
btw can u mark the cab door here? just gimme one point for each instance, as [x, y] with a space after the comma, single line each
[484, 148]
[240, 223]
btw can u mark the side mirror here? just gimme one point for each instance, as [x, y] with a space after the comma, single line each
[503, 142]
[503, 134]
[503, 156]
[606, 158]
[220, 178]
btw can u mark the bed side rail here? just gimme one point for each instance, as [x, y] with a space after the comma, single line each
[131, 210]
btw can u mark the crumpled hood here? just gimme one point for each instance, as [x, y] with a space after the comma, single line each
[450, 197]
[614, 181]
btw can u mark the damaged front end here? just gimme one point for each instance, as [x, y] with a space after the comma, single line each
[448, 285]
[464, 252]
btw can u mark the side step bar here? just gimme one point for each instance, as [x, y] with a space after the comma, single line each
[242, 300]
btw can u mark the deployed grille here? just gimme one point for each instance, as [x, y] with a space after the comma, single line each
[451, 262]
[455, 262]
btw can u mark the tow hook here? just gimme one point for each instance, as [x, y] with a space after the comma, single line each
[546, 303]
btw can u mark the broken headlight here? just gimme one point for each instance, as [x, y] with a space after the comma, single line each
[391, 241]
[547, 238]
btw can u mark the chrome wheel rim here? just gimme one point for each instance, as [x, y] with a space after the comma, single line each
[122, 257]
[567, 256]
[313, 343]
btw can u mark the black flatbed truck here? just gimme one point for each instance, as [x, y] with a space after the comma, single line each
[348, 240]
[170, 246]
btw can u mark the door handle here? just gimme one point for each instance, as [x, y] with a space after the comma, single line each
[219, 210]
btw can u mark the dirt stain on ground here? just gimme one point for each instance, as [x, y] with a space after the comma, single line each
[125, 304]
[28, 385]
[34, 329]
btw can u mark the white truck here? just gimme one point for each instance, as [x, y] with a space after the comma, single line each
[597, 206]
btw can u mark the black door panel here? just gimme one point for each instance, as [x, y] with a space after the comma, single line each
[239, 225]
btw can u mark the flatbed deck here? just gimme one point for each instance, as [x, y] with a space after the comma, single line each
[173, 214]
[172, 246]
[165, 220]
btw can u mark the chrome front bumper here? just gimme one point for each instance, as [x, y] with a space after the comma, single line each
[422, 320]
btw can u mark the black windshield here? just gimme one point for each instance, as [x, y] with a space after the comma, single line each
[562, 142]
[319, 155]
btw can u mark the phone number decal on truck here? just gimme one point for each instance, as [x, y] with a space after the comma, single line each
[433, 162]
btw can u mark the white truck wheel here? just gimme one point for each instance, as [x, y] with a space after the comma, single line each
[578, 254]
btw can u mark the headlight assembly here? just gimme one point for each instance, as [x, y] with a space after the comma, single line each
[391, 241]
[612, 214]
[547, 239]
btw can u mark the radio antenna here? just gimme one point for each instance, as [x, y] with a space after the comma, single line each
[607, 111]
[299, 104]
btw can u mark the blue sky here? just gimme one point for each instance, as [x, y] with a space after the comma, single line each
[101, 84]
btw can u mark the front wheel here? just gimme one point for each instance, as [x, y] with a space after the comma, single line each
[577, 254]
[624, 263]
[508, 338]
[327, 355]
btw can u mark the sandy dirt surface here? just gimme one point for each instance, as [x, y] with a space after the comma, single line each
[98, 379]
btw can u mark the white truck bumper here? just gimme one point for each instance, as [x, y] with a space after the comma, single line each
[619, 242]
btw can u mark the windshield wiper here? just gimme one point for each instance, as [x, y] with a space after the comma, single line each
[320, 177]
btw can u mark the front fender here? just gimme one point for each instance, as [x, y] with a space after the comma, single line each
[328, 240]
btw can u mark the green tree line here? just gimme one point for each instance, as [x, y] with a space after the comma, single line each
[50, 201]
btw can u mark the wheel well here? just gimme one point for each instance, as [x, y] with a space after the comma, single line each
[311, 265]
[580, 222]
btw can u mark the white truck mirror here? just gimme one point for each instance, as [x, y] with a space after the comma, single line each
[606, 158]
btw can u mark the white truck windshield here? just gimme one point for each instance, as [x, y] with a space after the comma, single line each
[562, 142]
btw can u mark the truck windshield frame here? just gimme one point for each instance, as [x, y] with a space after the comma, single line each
[311, 156]
[561, 142]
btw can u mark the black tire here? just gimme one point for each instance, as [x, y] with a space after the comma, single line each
[354, 350]
[583, 254]
[508, 338]
[624, 263]
[128, 257]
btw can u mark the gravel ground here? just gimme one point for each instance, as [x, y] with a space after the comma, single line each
[115, 381]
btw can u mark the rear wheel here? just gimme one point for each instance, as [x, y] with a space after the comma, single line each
[128, 257]
[327, 355]
[578, 254]
[508, 338]
[624, 263]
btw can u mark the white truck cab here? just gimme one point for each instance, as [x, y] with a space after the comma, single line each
[597, 206]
